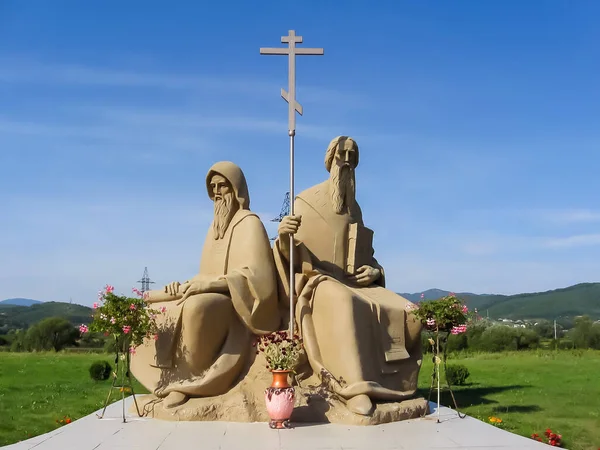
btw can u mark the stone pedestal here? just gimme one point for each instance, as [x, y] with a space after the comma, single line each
[245, 403]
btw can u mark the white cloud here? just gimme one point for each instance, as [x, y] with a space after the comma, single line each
[568, 216]
[151, 143]
[228, 123]
[22, 71]
[540, 216]
[135, 131]
[32, 72]
[582, 240]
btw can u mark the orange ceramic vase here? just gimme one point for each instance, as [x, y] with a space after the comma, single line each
[280, 398]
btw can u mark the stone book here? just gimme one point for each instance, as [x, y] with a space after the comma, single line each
[360, 247]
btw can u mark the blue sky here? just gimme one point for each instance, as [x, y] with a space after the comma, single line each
[477, 123]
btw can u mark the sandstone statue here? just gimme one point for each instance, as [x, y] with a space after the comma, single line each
[359, 334]
[206, 331]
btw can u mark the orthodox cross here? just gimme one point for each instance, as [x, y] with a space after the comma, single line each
[291, 39]
[293, 106]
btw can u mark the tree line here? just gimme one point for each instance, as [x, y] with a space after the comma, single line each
[487, 336]
[57, 333]
[53, 334]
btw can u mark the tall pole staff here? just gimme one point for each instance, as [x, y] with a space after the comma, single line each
[293, 106]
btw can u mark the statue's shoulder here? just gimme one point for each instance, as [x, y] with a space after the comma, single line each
[315, 196]
[244, 215]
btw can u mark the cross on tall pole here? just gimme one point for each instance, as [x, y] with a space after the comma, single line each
[293, 106]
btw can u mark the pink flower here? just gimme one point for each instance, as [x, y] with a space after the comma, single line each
[156, 337]
[109, 289]
[83, 328]
[132, 350]
[95, 305]
[423, 295]
[137, 292]
[163, 309]
[458, 329]
[431, 322]
[126, 329]
[132, 307]
[465, 309]
[113, 320]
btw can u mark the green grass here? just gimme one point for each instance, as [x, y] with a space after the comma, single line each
[531, 391]
[37, 389]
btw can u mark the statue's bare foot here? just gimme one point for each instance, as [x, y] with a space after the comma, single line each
[361, 404]
[174, 399]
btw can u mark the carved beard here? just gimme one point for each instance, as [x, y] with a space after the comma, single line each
[223, 215]
[342, 187]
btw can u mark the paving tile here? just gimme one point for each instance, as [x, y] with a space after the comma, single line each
[110, 433]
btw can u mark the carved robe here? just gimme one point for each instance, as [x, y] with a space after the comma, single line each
[371, 322]
[243, 257]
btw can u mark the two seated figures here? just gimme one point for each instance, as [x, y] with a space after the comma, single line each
[355, 331]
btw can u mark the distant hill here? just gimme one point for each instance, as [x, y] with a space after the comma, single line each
[572, 301]
[432, 294]
[19, 302]
[569, 302]
[16, 316]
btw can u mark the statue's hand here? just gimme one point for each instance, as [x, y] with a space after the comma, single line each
[173, 288]
[197, 285]
[289, 225]
[365, 275]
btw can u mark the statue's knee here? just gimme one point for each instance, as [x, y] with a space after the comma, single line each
[413, 331]
[333, 298]
[207, 305]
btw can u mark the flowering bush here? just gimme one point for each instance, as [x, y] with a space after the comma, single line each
[553, 439]
[447, 314]
[128, 319]
[281, 352]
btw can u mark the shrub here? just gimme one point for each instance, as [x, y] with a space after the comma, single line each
[457, 342]
[456, 374]
[565, 344]
[474, 333]
[100, 370]
[498, 338]
[527, 339]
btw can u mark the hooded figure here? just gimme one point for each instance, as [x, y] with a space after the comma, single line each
[206, 331]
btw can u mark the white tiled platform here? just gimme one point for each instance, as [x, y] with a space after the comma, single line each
[110, 433]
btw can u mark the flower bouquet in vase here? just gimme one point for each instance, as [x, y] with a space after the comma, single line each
[282, 354]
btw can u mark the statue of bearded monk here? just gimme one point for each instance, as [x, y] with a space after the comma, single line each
[206, 330]
[360, 334]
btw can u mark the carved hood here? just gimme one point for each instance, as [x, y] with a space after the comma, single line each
[235, 176]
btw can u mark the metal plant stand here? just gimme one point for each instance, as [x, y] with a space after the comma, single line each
[123, 373]
[441, 342]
